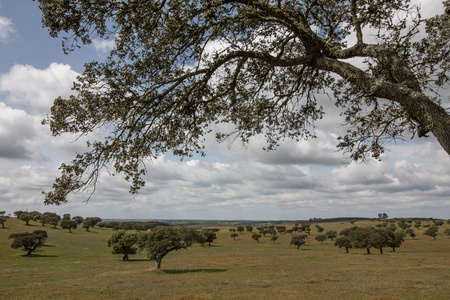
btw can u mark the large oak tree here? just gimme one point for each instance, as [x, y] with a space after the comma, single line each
[162, 88]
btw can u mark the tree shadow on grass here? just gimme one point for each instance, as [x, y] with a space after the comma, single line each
[38, 255]
[184, 271]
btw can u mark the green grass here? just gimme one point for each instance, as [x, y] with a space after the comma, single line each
[81, 266]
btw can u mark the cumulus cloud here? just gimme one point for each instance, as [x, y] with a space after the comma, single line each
[19, 133]
[36, 88]
[103, 46]
[6, 28]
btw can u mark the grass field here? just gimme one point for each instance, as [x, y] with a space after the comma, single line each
[81, 266]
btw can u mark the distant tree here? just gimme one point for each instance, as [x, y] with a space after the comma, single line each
[392, 227]
[234, 235]
[331, 234]
[35, 215]
[68, 224]
[90, 222]
[343, 242]
[66, 217]
[163, 240]
[26, 217]
[438, 222]
[379, 238]
[321, 238]
[432, 231]
[383, 216]
[3, 218]
[410, 232]
[232, 230]
[43, 218]
[17, 213]
[122, 242]
[240, 229]
[361, 238]
[447, 231]
[210, 236]
[249, 228]
[404, 225]
[281, 229]
[298, 240]
[53, 219]
[417, 224]
[271, 230]
[353, 221]
[274, 238]
[319, 228]
[396, 239]
[29, 241]
[256, 236]
[78, 219]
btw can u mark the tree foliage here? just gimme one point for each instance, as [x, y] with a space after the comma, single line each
[122, 242]
[298, 240]
[29, 241]
[162, 240]
[178, 68]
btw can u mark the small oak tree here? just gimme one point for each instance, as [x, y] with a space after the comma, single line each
[122, 242]
[162, 240]
[29, 241]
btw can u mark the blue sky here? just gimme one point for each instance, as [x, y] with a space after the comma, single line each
[298, 181]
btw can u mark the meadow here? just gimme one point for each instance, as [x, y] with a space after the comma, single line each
[81, 266]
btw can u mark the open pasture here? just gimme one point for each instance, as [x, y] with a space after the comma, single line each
[81, 266]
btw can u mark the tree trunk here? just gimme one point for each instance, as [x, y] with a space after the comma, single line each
[157, 264]
[346, 250]
[381, 250]
[368, 250]
[125, 257]
[393, 249]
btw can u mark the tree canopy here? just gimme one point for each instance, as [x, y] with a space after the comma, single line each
[29, 241]
[162, 240]
[179, 68]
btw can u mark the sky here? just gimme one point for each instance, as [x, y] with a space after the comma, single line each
[300, 180]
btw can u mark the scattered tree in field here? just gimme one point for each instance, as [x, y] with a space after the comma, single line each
[53, 219]
[378, 238]
[90, 222]
[331, 234]
[447, 231]
[3, 218]
[361, 238]
[78, 219]
[210, 236]
[298, 240]
[438, 222]
[275, 57]
[383, 216]
[26, 217]
[320, 229]
[281, 229]
[35, 215]
[417, 224]
[122, 242]
[240, 229]
[410, 232]
[321, 238]
[66, 217]
[256, 236]
[68, 224]
[396, 239]
[274, 238]
[162, 240]
[432, 231]
[17, 213]
[249, 228]
[343, 242]
[234, 235]
[29, 241]
[403, 225]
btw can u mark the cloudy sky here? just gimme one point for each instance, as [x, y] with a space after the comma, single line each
[298, 181]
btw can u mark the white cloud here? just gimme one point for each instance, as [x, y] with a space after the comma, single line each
[37, 88]
[6, 28]
[103, 46]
